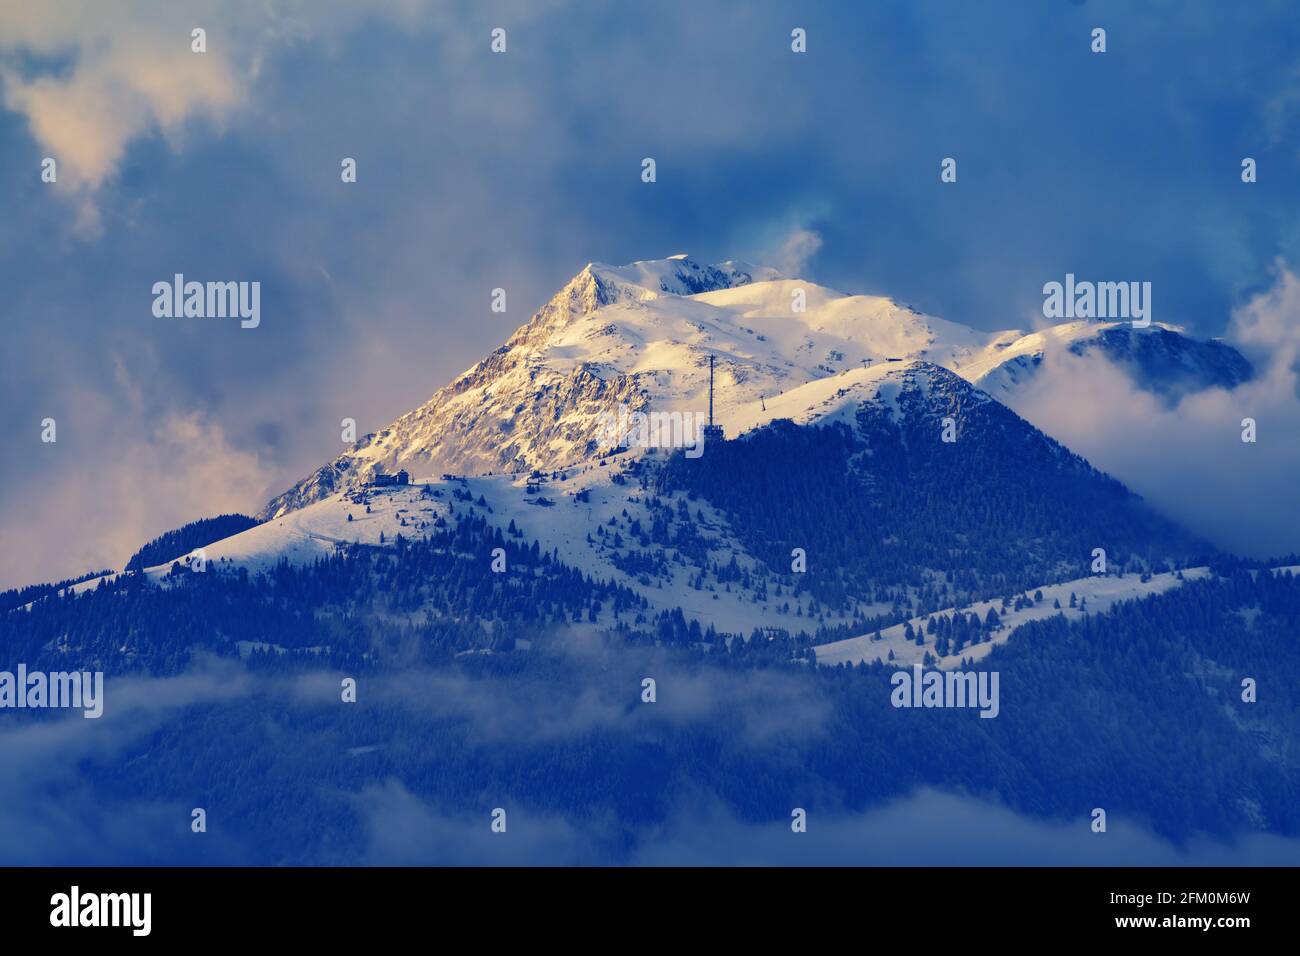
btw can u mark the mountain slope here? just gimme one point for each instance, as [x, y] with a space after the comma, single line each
[641, 337]
[536, 401]
[893, 520]
[874, 494]
[1141, 705]
[1160, 359]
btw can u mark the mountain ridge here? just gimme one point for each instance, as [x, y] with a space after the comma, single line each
[641, 336]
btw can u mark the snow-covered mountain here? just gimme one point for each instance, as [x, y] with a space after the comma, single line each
[844, 408]
[1161, 359]
[892, 517]
[641, 336]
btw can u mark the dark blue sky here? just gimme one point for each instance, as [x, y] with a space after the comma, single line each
[479, 170]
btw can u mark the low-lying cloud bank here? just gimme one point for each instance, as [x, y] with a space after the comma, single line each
[1188, 460]
[55, 807]
[927, 828]
[930, 828]
[53, 814]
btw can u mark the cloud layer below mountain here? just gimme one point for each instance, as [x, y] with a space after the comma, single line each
[54, 812]
[1189, 460]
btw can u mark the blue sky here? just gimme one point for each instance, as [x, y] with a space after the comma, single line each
[478, 170]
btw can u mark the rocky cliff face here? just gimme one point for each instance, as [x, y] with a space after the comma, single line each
[516, 410]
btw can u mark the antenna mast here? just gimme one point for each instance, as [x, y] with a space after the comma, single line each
[711, 431]
[710, 392]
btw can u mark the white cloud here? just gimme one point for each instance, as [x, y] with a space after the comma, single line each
[126, 77]
[68, 521]
[793, 255]
[933, 828]
[129, 72]
[52, 814]
[1188, 460]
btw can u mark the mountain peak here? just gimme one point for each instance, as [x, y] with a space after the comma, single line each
[600, 284]
[680, 275]
[642, 336]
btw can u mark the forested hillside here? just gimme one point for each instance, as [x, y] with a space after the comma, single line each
[1001, 509]
[183, 540]
[1116, 711]
[412, 600]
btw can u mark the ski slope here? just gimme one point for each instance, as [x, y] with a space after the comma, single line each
[1100, 592]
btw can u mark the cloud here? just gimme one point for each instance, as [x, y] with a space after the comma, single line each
[1188, 460]
[762, 706]
[479, 171]
[183, 469]
[59, 805]
[926, 828]
[118, 84]
[113, 95]
[932, 828]
[52, 814]
[788, 242]
[403, 830]
[792, 257]
[91, 78]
